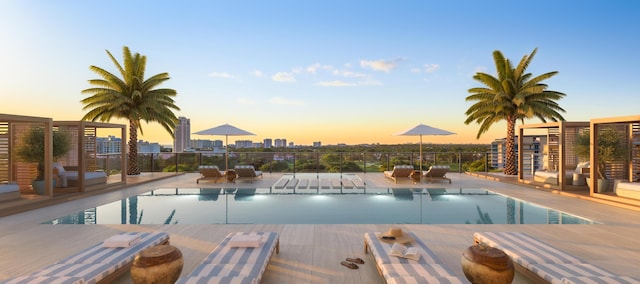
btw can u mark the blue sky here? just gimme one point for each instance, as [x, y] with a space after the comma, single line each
[331, 71]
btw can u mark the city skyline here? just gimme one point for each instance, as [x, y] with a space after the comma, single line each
[338, 72]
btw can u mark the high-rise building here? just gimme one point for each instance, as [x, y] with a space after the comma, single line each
[268, 143]
[531, 150]
[280, 143]
[182, 134]
[109, 145]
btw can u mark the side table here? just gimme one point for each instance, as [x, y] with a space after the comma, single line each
[159, 264]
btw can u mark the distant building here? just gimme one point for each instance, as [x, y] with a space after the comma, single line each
[268, 143]
[148, 147]
[291, 145]
[317, 144]
[280, 143]
[109, 145]
[182, 133]
[532, 152]
[244, 144]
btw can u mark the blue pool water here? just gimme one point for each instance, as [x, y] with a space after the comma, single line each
[263, 206]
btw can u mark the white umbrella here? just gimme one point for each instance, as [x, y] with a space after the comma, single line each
[420, 130]
[226, 130]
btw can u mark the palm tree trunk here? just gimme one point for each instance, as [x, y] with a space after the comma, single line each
[510, 165]
[132, 165]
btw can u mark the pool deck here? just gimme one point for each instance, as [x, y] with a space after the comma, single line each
[312, 253]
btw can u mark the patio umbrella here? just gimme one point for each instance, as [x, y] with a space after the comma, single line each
[420, 130]
[226, 130]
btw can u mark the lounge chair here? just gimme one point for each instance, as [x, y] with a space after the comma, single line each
[428, 269]
[96, 264]
[399, 171]
[545, 263]
[210, 173]
[437, 173]
[237, 259]
[247, 171]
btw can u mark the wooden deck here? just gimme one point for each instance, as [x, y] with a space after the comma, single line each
[312, 253]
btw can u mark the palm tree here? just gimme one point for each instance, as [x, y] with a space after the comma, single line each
[513, 95]
[131, 97]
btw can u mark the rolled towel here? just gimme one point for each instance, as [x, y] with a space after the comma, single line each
[120, 241]
[245, 241]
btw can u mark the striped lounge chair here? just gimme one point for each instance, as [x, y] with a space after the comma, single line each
[546, 264]
[228, 264]
[96, 264]
[396, 270]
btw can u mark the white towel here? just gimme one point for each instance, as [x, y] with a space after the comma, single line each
[245, 241]
[120, 241]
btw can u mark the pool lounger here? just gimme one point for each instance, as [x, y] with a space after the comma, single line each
[545, 263]
[230, 264]
[429, 269]
[96, 264]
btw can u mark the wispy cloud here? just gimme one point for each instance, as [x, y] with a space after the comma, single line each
[430, 68]
[283, 101]
[380, 65]
[349, 74]
[336, 83]
[284, 77]
[223, 75]
[257, 73]
[313, 68]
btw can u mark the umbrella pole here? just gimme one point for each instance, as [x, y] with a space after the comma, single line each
[226, 156]
[420, 158]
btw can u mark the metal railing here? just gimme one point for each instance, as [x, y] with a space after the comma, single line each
[300, 162]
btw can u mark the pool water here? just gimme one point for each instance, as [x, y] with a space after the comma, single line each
[262, 206]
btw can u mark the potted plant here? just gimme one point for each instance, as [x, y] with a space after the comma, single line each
[32, 150]
[610, 149]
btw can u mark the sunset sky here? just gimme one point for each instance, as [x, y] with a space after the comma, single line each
[331, 71]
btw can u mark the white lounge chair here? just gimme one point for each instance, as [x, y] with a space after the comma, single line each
[210, 173]
[428, 269]
[399, 171]
[96, 264]
[545, 263]
[240, 263]
[437, 173]
[247, 171]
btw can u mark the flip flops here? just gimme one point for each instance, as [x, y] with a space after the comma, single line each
[355, 260]
[350, 265]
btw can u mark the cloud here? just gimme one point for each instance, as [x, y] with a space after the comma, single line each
[245, 101]
[283, 101]
[257, 73]
[336, 83]
[415, 70]
[315, 67]
[430, 68]
[348, 74]
[283, 77]
[380, 65]
[223, 75]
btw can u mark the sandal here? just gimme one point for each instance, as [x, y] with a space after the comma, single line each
[355, 260]
[349, 265]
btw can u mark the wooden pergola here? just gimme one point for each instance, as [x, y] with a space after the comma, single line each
[561, 138]
[12, 169]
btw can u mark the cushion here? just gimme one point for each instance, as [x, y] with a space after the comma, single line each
[45, 279]
[58, 167]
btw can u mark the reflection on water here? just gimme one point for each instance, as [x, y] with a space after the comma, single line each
[259, 206]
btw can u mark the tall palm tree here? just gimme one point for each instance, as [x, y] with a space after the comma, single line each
[131, 97]
[513, 95]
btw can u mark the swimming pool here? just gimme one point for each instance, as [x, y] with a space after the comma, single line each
[263, 206]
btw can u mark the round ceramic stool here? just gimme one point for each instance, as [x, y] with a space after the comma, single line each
[482, 264]
[160, 264]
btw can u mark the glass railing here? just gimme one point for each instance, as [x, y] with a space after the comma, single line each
[301, 162]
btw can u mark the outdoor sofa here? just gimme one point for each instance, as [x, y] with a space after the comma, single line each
[628, 189]
[67, 176]
[551, 177]
[9, 191]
